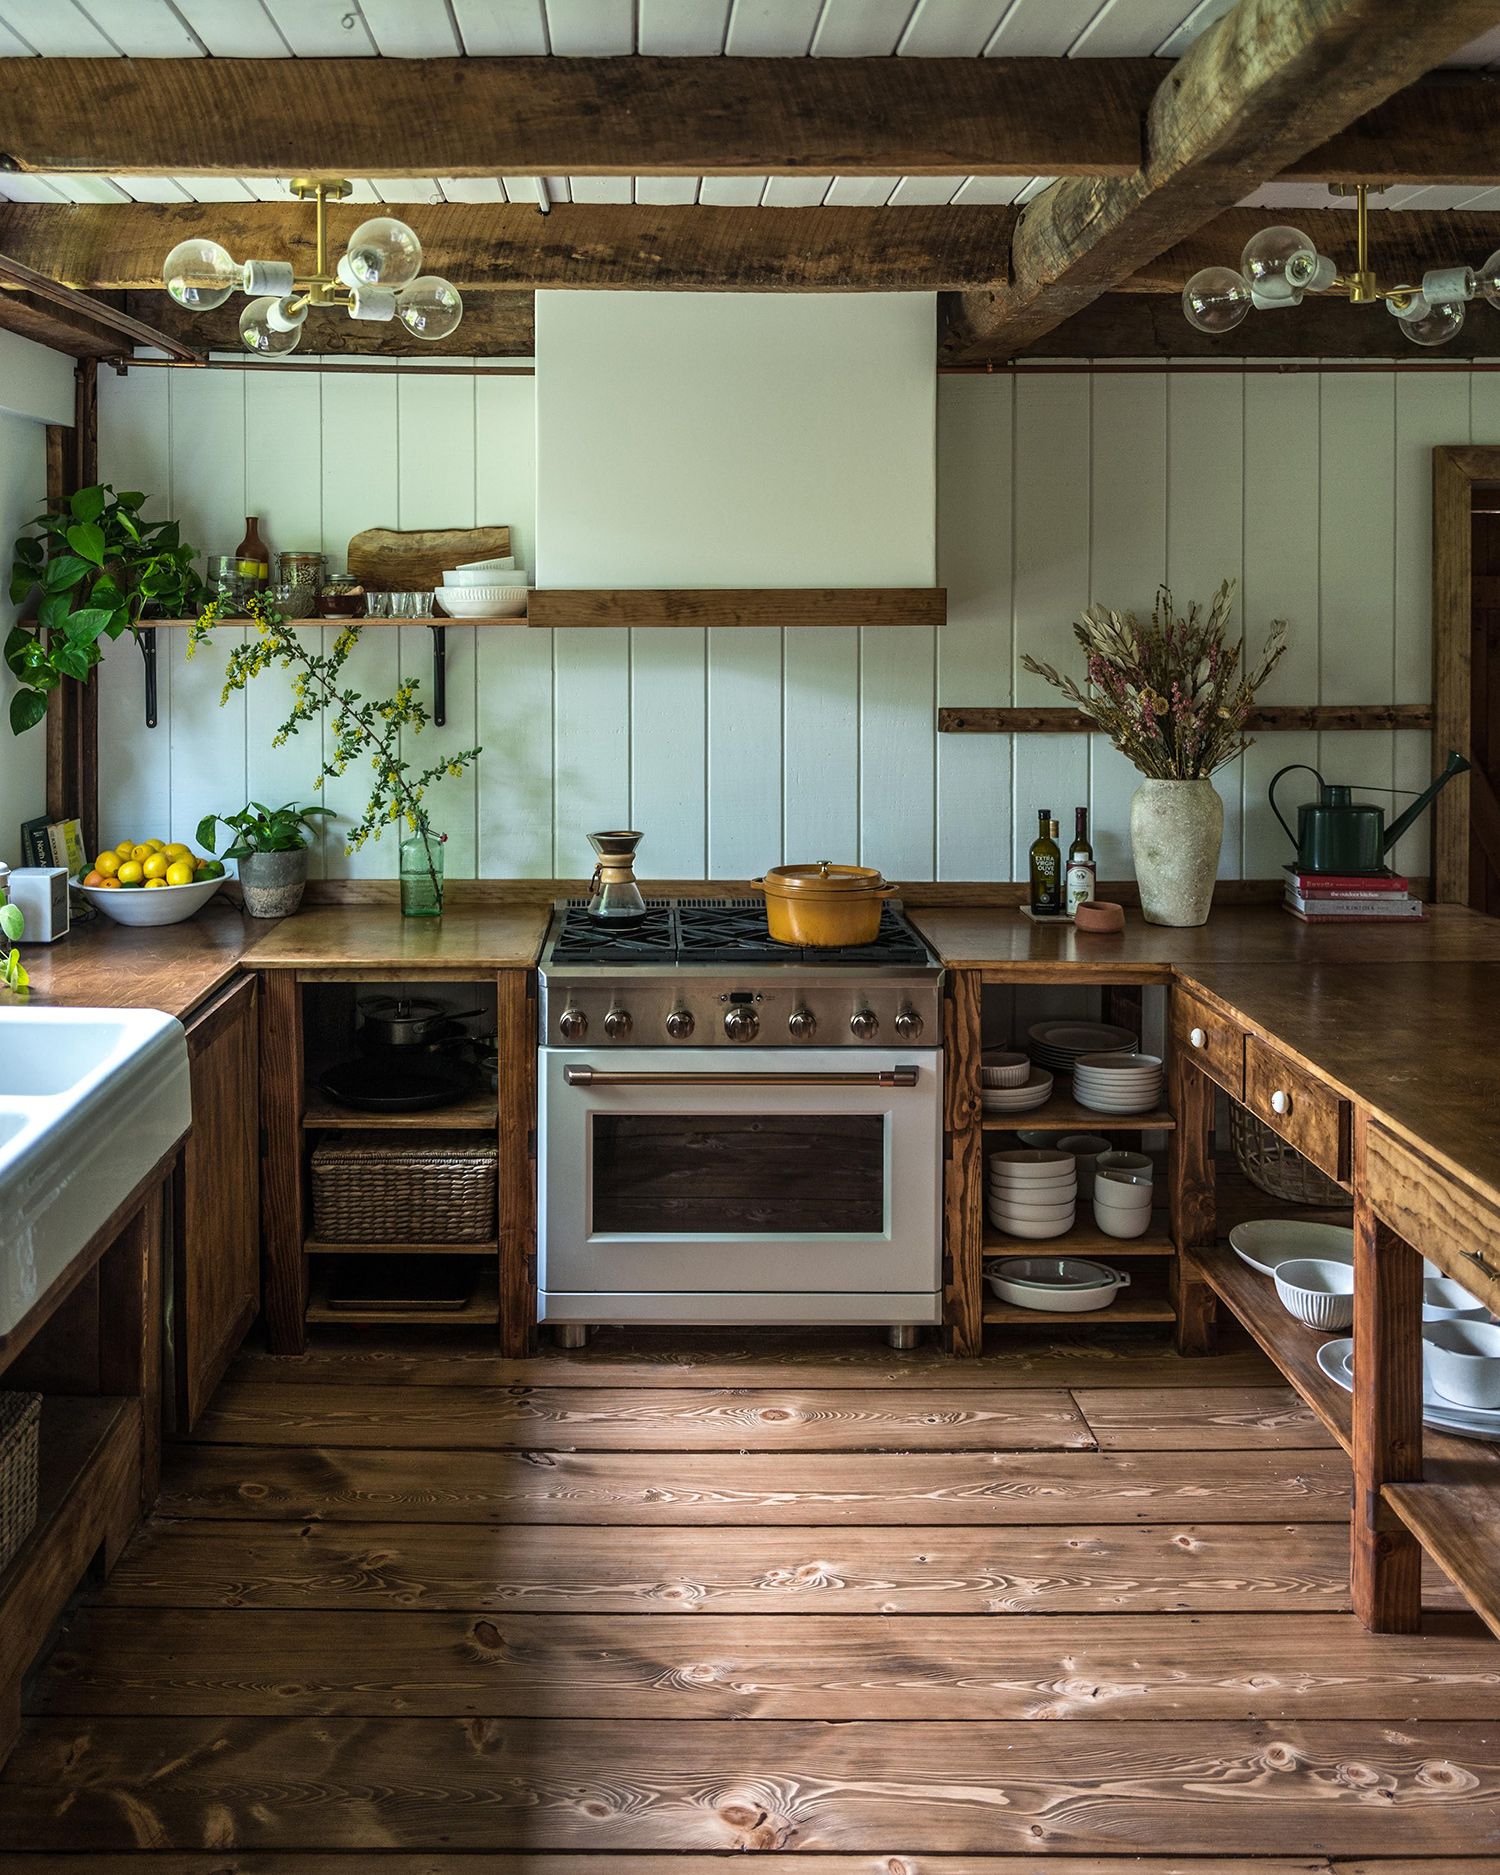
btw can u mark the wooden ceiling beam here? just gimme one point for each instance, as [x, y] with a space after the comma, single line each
[561, 116]
[1444, 129]
[495, 325]
[1269, 81]
[1403, 243]
[509, 247]
[60, 331]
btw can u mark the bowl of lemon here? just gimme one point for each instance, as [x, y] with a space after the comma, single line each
[150, 882]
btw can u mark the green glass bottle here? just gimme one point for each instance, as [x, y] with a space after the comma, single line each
[1046, 868]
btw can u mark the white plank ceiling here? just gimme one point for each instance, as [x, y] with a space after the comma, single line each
[613, 28]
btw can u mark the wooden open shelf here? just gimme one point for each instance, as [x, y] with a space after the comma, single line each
[1059, 720]
[1061, 1115]
[483, 1309]
[1084, 1240]
[1150, 1304]
[479, 1113]
[321, 1247]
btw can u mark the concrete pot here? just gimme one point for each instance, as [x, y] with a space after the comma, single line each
[1176, 829]
[273, 882]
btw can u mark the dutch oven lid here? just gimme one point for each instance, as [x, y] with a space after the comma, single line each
[823, 878]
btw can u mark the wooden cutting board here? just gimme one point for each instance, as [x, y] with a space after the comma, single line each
[389, 559]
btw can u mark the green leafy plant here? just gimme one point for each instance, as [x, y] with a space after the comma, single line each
[1168, 693]
[357, 728]
[100, 569]
[261, 829]
[12, 970]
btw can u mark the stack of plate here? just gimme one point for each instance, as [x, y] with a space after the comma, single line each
[1032, 1192]
[1336, 1358]
[1118, 1083]
[1057, 1045]
[1034, 1091]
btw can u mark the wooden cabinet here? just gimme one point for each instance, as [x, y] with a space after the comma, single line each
[1434, 1212]
[1213, 1042]
[1305, 1111]
[216, 1219]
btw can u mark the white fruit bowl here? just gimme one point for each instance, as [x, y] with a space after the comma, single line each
[163, 904]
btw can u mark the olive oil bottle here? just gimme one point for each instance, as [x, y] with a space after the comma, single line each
[1080, 880]
[1046, 868]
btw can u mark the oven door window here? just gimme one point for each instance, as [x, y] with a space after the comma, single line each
[804, 1175]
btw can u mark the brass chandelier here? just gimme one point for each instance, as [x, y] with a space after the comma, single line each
[1280, 264]
[378, 277]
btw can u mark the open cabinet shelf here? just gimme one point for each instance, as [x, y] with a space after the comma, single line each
[481, 1310]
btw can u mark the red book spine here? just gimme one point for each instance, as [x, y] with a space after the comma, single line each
[1322, 884]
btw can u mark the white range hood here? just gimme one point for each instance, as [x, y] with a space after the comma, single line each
[735, 439]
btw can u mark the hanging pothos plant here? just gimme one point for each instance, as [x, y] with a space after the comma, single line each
[100, 569]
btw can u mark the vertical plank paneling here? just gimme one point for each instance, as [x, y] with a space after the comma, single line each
[821, 729]
[1205, 527]
[897, 701]
[744, 750]
[974, 648]
[1281, 581]
[668, 761]
[1128, 561]
[1051, 584]
[591, 742]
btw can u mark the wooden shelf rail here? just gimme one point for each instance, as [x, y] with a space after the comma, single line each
[1046, 721]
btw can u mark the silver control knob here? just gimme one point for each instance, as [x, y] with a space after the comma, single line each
[617, 1023]
[572, 1024]
[741, 1024]
[908, 1025]
[801, 1023]
[862, 1024]
[680, 1024]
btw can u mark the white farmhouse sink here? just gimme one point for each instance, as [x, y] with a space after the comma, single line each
[90, 1100]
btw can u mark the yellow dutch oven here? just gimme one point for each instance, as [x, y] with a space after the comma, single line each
[824, 906]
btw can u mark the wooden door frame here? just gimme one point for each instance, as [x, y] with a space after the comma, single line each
[1457, 470]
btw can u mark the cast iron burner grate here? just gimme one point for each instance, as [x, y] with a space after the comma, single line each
[713, 931]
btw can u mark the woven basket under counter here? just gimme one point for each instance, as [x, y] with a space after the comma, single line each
[20, 1424]
[1279, 1169]
[379, 1187]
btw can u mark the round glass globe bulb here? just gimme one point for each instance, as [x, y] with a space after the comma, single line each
[383, 252]
[1437, 325]
[1215, 300]
[1489, 279]
[430, 308]
[200, 275]
[1277, 255]
[257, 334]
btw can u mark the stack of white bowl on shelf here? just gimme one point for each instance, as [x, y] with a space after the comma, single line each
[484, 589]
[1124, 1193]
[1118, 1083]
[1032, 1192]
[1009, 1083]
[1056, 1045]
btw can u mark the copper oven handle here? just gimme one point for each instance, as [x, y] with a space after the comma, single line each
[612, 1077]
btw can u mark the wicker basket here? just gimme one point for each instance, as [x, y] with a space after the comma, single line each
[377, 1187]
[1269, 1162]
[20, 1418]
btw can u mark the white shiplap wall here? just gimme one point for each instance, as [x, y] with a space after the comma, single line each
[733, 749]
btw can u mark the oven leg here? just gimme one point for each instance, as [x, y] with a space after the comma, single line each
[903, 1335]
[571, 1334]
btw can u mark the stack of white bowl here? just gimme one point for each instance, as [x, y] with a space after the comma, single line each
[1008, 1083]
[1124, 1192]
[1032, 1192]
[1118, 1083]
[484, 589]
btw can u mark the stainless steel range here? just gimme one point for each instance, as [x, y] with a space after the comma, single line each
[734, 1130]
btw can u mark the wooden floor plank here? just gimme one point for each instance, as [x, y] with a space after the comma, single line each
[233, 1862]
[1199, 1419]
[256, 1412]
[297, 1484]
[273, 1663]
[1106, 1788]
[1065, 1569]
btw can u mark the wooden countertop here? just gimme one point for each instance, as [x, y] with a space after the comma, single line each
[1001, 938]
[171, 967]
[346, 939]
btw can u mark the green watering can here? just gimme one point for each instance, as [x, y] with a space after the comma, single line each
[1336, 833]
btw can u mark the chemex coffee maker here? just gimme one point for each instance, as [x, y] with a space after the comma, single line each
[614, 897]
[1337, 834]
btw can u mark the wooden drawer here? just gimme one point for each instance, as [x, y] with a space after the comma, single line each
[1213, 1042]
[1298, 1106]
[1433, 1212]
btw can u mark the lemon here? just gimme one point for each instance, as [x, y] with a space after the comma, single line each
[180, 872]
[156, 866]
[107, 863]
[174, 849]
[152, 882]
[125, 848]
[131, 872]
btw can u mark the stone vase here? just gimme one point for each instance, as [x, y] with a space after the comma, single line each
[1176, 828]
[273, 882]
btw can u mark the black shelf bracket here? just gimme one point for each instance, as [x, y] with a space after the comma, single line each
[439, 674]
[147, 637]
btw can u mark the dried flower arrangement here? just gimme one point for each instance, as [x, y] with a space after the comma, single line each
[1168, 694]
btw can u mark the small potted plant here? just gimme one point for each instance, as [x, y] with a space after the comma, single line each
[270, 845]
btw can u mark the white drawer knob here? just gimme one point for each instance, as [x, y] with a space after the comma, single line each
[1281, 1101]
[1197, 1037]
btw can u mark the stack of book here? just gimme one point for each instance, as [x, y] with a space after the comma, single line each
[1327, 897]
